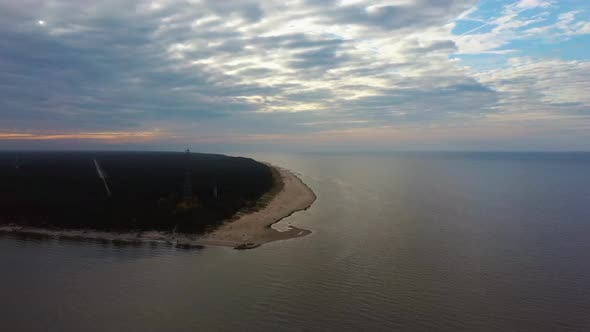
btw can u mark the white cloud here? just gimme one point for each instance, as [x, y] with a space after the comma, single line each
[526, 4]
[530, 86]
[273, 67]
[503, 29]
[568, 25]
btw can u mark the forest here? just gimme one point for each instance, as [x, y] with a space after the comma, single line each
[147, 189]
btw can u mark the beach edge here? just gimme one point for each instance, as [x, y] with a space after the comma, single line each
[244, 230]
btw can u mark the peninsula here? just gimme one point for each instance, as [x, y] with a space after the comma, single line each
[186, 199]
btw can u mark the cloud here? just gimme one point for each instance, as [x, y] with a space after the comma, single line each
[224, 70]
[527, 4]
[523, 20]
[541, 87]
[503, 29]
[568, 25]
[388, 16]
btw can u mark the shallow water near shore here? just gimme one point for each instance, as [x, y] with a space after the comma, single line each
[407, 241]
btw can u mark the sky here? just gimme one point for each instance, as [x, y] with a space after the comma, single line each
[296, 75]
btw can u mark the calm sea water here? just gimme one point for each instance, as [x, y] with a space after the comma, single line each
[486, 242]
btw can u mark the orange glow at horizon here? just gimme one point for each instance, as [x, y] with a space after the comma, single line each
[106, 136]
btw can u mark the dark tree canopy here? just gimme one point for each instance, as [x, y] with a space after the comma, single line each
[63, 189]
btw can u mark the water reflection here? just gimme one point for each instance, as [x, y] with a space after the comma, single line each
[31, 239]
[399, 242]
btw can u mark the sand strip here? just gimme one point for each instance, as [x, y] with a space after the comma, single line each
[254, 228]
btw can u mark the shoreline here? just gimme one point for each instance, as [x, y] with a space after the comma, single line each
[243, 231]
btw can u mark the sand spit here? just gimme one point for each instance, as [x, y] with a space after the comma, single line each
[255, 227]
[252, 229]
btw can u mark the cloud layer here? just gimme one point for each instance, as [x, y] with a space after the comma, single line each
[346, 72]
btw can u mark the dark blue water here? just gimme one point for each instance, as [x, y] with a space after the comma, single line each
[412, 241]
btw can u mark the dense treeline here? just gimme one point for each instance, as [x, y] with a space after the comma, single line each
[62, 189]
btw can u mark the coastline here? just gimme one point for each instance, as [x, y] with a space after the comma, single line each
[247, 230]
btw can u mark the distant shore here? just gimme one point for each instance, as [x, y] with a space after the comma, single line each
[247, 229]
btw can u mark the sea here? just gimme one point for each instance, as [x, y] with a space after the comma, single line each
[454, 241]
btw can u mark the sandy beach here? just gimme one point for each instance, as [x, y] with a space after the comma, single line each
[256, 227]
[253, 228]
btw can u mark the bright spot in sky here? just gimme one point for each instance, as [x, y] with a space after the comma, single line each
[41, 22]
